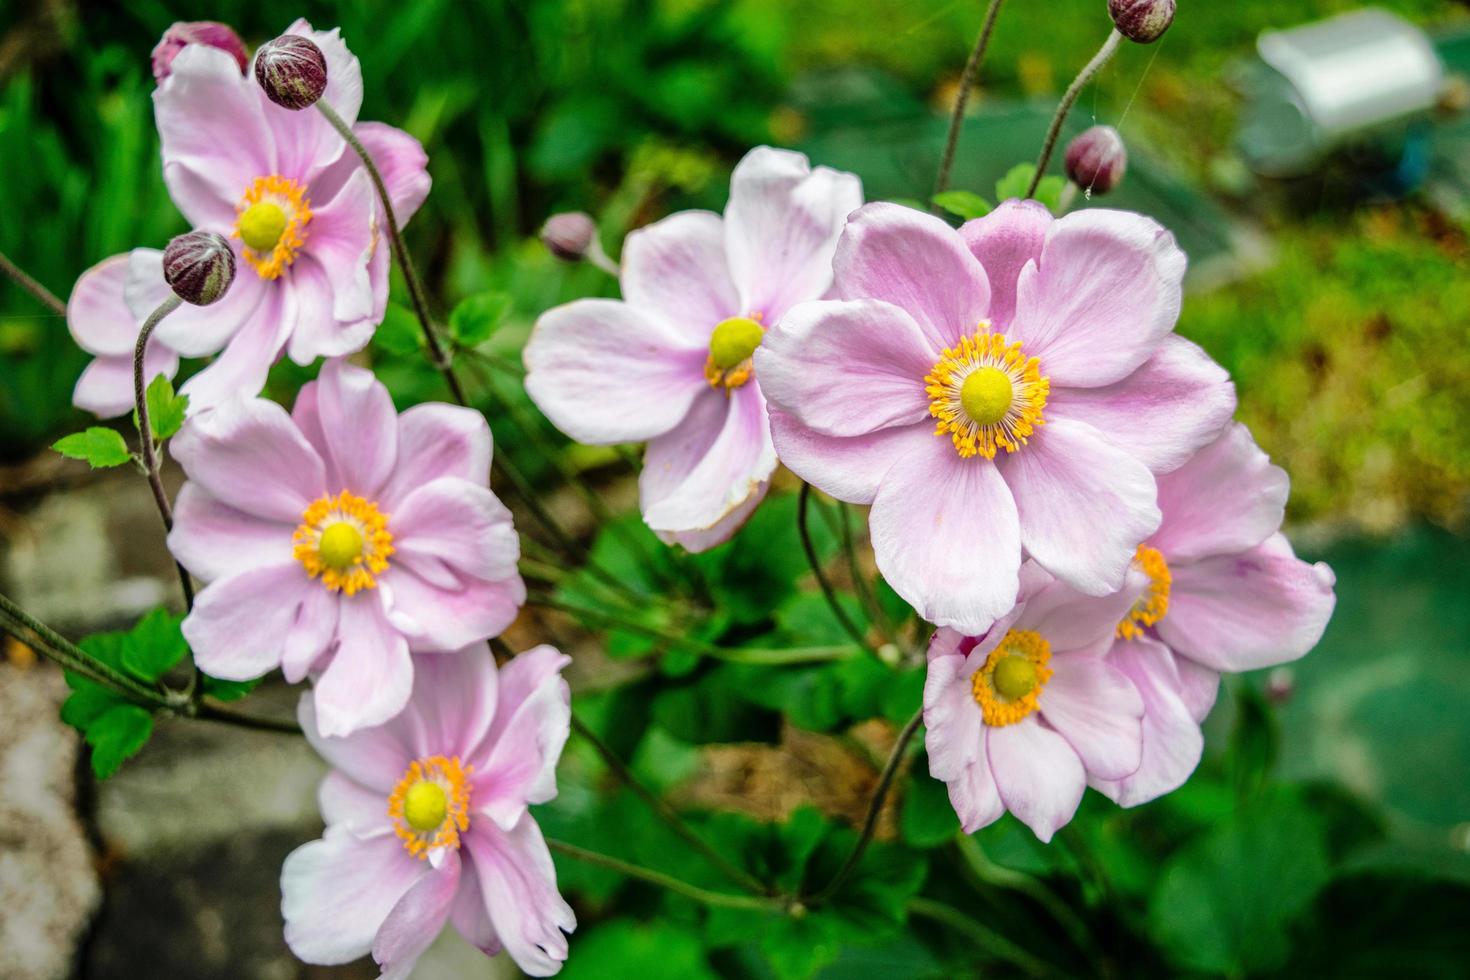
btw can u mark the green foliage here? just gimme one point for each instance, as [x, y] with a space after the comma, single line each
[646, 950]
[166, 410]
[100, 447]
[399, 333]
[1016, 181]
[963, 204]
[477, 317]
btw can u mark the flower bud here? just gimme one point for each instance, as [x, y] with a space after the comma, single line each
[199, 266]
[183, 33]
[292, 70]
[1097, 160]
[569, 236]
[1144, 21]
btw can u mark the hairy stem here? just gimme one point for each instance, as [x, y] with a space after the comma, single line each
[1089, 71]
[962, 98]
[802, 525]
[46, 297]
[702, 895]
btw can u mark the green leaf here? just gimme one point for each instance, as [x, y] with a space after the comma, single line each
[477, 317]
[100, 447]
[222, 690]
[1018, 178]
[927, 818]
[1049, 192]
[152, 647]
[399, 333]
[165, 409]
[117, 735]
[646, 950]
[964, 204]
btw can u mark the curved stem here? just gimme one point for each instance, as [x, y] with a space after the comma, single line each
[46, 297]
[1065, 106]
[802, 527]
[984, 937]
[875, 807]
[228, 716]
[967, 80]
[673, 884]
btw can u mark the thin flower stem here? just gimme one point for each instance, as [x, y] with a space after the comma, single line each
[984, 938]
[42, 638]
[145, 434]
[876, 613]
[228, 716]
[666, 813]
[416, 293]
[702, 895]
[1088, 72]
[46, 297]
[851, 628]
[875, 807]
[962, 98]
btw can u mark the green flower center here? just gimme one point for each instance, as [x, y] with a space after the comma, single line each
[1015, 677]
[425, 806]
[262, 224]
[340, 547]
[986, 395]
[734, 341]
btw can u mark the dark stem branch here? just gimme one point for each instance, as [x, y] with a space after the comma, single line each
[46, 297]
[1088, 72]
[962, 99]
[852, 629]
[986, 939]
[703, 895]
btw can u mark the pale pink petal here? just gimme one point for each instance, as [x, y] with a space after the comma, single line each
[1098, 711]
[1073, 620]
[1242, 612]
[469, 915]
[414, 923]
[437, 441]
[438, 617]
[1105, 295]
[974, 795]
[1227, 499]
[1163, 413]
[369, 678]
[1085, 505]
[849, 469]
[359, 425]
[403, 164]
[242, 369]
[315, 328]
[699, 481]
[946, 537]
[605, 373]
[721, 531]
[455, 701]
[212, 539]
[374, 757]
[239, 624]
[952, 719]
[106, 386]
[459, 523]
[343, 800]
[530, 728]
[1172, 742]
[312, 634]
[1199, 686]
[674, 271]
[781, 228]
[847, 368]
[342, 240]
[249, 455]
[97, 313]
[518, 881]
[916, 262]
[305, 142]
[198, 331]
[1004, 241]
[1038, 775]
[336, 892]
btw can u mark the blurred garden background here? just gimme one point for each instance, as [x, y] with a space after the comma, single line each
[1327, 832]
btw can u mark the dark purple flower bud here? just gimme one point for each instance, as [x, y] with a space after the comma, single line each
[186, 32]
[569, 235]
[199, 266]
[1097, 160]
[1144, 21]
[292, 71]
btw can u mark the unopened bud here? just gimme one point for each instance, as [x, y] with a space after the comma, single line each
[1144, 21]
[292, 71]
[183, 33]
[569, 236]
[1097, 160]
[199, 266]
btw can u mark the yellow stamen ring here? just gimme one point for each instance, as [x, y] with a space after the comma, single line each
[1008, 685]
[731, 347]
[344, 541]
[271, 220]
[1153, 605]
[430, 806]
[987, 394]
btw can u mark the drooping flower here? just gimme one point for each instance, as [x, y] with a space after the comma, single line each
[1008, 386]
[1226, 593]
[670, 363]
[427, 821]
[1021, 717]
[296, 205]
[337, 538]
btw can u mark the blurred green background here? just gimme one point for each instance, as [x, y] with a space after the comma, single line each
[1334, 792]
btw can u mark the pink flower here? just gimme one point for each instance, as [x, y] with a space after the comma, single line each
[340, 537]
[427, 821]
[298, 206]
[1044, 350]
[1226, 593]
[670, 364]
[181, 34]
[1022, 717]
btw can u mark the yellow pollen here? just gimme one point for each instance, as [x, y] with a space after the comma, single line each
[1153, 605]
[345, 541]
[730, 349]
[430, 806]
[986, 394]
[271, 220]
[1008, 685]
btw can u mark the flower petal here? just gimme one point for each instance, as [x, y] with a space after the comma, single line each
[469, 915]
[455, 701]
[916, 262]
[198, 331]
[343, 237]
[946, 536]
[604, 373]
[312, 634]
[849, 469]
[213, 540]
[1038, 775]
[1004, 241]
[315, 328]
[359, 426]
[459, 523]
[1172, 741]
[1098, 711]
[1073, 620]
[1084, 504]
[345, 801]
[106, 386]
[97, 313]
[974, 795]
[952, 719]
[531, 725]
[674, 271]
[1106, 293]
[241, 370]
[719, 532]
[239, 624]
[436, 441]
[336, 892]
[518, 881]
[403, 164]
[369, 678]
[438, 617]
[1227, 499]
[414, 923]
[374, 757]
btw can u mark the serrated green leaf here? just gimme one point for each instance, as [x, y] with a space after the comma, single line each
[86, 703]
[477, 317]
[152, 647]
[963, 204]
[100, 447]
[1014, 183]
[399, 333]
[222, 690]
[117, 735]
[166, 410]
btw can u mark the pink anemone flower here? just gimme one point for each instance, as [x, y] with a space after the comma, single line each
[670, 363]
[337, 538]
[1226, 593]
[1000, 390]
[296, 203]
[1021, 717]
[427, 821]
